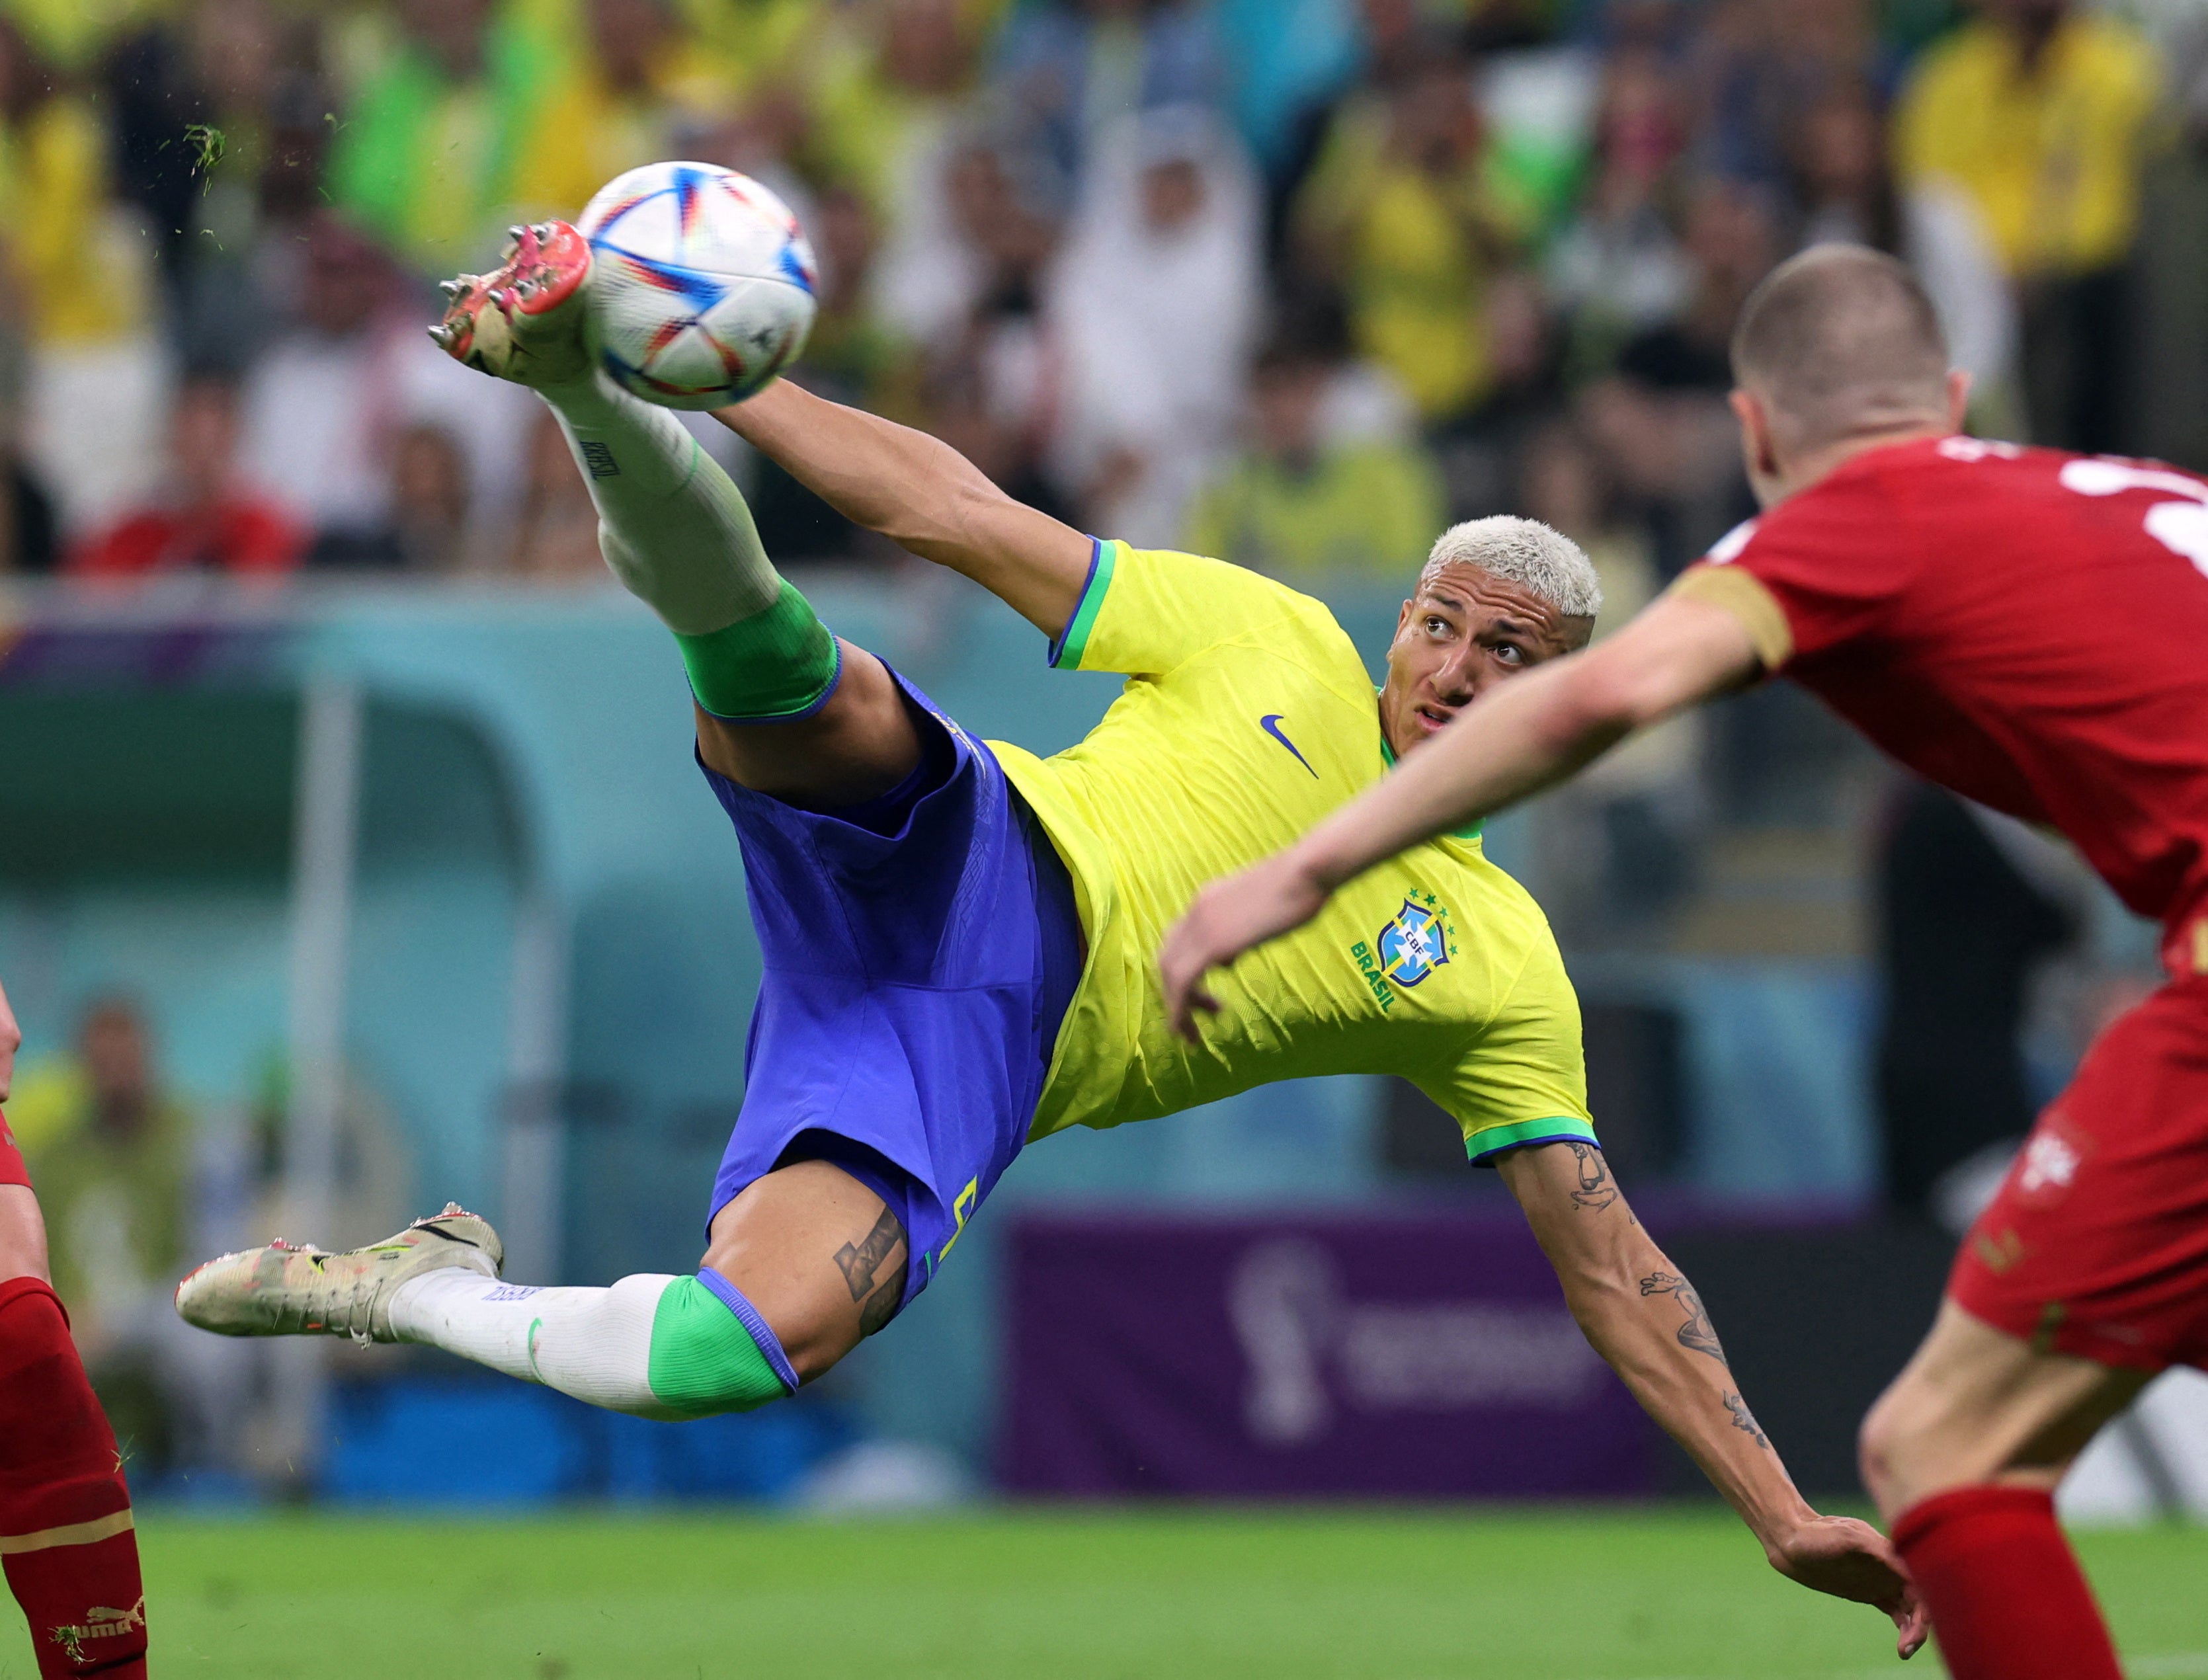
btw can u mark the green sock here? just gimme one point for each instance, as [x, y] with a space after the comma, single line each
[777, 664]
[703, 1359]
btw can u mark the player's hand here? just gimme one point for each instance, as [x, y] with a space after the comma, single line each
[1852, 1560]
[1229, 917]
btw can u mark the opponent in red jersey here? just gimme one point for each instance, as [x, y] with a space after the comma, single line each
[2029, 629]
[67, 1541]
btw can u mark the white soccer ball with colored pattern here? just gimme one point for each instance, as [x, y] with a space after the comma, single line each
[701, 284]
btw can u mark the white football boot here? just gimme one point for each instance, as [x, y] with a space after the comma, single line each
[285, 1289]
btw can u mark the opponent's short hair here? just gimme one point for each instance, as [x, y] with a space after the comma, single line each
[1838, 340]
[1537, 558]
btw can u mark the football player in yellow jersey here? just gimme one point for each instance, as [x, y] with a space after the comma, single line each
[961, 939]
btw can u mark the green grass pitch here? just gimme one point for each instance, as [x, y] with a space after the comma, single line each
[1660, 1595]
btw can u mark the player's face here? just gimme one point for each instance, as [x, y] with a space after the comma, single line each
[1463, 632]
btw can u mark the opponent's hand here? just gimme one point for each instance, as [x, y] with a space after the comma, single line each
[1266, 900]
[1852, 1560]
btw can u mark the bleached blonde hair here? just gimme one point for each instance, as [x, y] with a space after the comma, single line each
[1536, 557]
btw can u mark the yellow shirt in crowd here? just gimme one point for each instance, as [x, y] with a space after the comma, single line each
[2051, 158]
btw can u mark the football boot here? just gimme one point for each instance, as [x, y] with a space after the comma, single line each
[290, 1289]
[524, 320]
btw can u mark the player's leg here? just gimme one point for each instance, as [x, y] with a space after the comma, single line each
[777, 1302]
[785, 707]
[66, 1537]
[1962, 1453]
[773, 1306]
[2087, 1274]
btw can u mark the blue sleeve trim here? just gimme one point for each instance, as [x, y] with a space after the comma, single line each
[748, 1315]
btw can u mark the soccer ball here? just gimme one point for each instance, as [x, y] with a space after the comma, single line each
[701, 284]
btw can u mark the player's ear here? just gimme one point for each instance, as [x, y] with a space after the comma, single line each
[1754, 434]
[1959, 398]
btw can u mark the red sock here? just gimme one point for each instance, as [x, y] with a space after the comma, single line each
[66, 1540]
[2007, 1599]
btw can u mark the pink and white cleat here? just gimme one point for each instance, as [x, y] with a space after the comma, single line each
[523, 321]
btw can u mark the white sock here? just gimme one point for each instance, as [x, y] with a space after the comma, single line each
[595, 1344]
[671, 525]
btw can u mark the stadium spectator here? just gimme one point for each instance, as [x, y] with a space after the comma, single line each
[852, 355]
[2038, 111]
[432, 135]
[1153, 306]
[329, 462]
[1069, 68]
[1661, 420]
[1616, 847]
[1302, 507]
[1614, 269]
[988, 385]
[555, 533]
[82, 277]
[429, 527]
[1288, 61]
[1842, 184]
[110, 1153]
[889, 113]
[1403, 209]
[635, 92]
[204, 517]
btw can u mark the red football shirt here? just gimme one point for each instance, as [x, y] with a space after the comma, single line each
[2027, 628]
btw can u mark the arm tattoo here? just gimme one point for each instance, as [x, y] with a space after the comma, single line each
[1744, 1420]
[1595, 1190]
[1695, 1333]
[860, 1261]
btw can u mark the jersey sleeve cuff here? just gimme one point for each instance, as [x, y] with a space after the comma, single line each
[1073, 641]
[1745, 596]
[1486, 1147]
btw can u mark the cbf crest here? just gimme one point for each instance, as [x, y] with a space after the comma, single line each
[1415, 941]
[1411, 944]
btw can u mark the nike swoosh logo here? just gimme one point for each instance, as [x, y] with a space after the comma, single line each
[534, 1325]
[1270, 724]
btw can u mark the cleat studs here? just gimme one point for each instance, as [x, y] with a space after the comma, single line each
[451, 288]
[516, 231]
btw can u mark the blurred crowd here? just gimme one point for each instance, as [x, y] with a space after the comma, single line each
[1294, 282]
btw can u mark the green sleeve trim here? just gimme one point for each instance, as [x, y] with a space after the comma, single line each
[1388, 758]
[1483, 1147]
[702, 1360]
[1073, 641]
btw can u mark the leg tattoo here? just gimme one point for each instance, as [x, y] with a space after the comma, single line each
[860, 1261]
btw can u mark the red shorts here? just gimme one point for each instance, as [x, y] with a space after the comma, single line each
[2096, 1244]
[13, 1169]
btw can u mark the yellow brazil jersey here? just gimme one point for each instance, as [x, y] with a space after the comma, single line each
[1246, 717]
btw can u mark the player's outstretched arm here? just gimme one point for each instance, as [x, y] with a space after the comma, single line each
[1646, 1319]
[919, 491]
[1534, 730]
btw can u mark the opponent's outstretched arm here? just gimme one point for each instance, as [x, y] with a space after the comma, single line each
[1534, 730]
[919, 491]
[1645, 1318]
